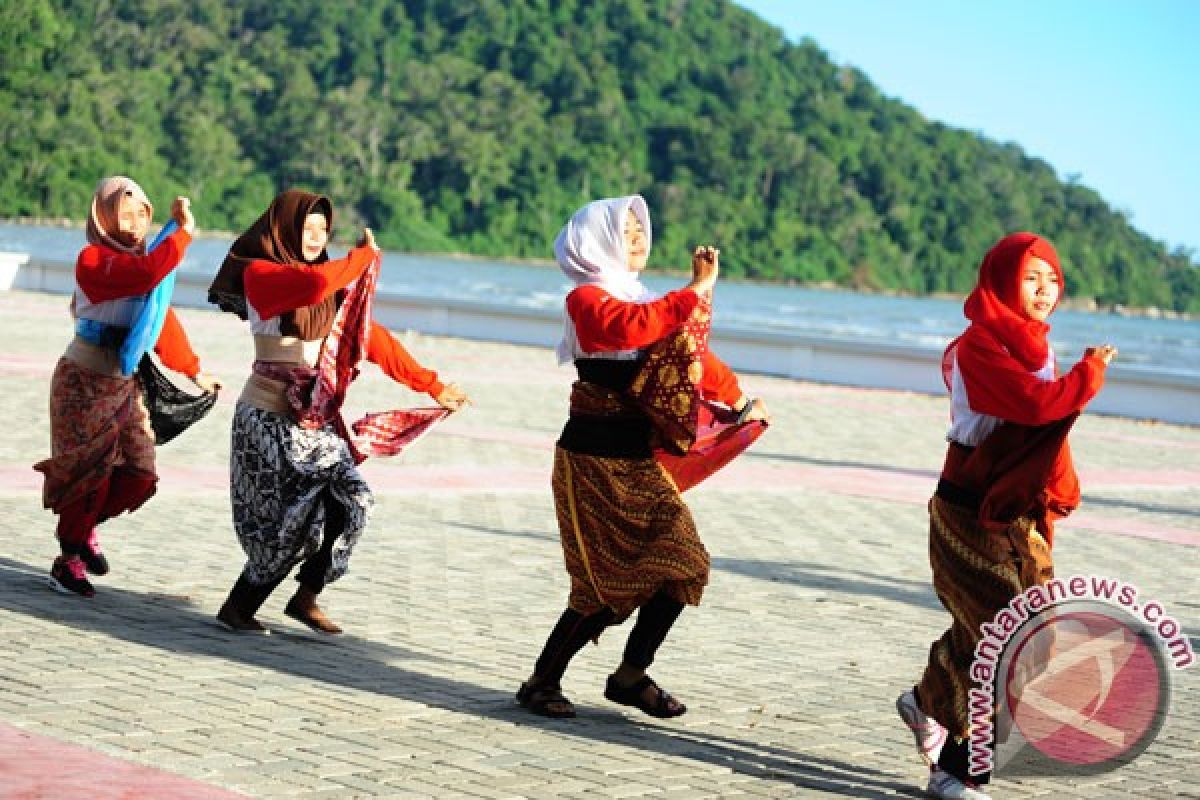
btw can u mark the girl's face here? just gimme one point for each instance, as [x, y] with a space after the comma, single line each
[637, 250]
[314, 237]
[133, 220]
[1039, 289]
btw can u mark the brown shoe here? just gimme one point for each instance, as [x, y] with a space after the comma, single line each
[234, 621]
[303, 608]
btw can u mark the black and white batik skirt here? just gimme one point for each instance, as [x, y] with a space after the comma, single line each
[281, 476]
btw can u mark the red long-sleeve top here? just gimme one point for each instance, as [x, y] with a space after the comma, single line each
[604, 324]
[1025, 465]
[997, 384]
[104, 274]
[274, 289]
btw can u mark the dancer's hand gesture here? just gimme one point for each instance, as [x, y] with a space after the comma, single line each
[181, 212]
[1105, 352]
[452, 398]
[754, 409]
[209, 383]
[705, 266]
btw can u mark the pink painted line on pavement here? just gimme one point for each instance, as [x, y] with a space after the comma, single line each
[1153, 441]
[37, 767]
[27, 367]
[1124, 526]
[912, 487]
[408, 480]
[1139, 479]
[533, 441]
[882, 484]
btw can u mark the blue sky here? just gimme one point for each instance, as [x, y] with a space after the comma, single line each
[1107, 89]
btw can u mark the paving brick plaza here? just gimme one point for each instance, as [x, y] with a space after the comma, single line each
[818, 614]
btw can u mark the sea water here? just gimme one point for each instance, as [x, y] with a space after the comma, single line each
[1162, 344]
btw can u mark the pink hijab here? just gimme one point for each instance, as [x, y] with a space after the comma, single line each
[102, 221]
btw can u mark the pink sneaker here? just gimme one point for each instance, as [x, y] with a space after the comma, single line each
[92, 557]
[928, 733]
[68, 575]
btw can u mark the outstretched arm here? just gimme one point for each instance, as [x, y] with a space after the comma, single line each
[105, 274]
[274, 289]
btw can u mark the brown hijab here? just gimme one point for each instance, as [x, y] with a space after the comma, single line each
[102, 222]
[277, 237]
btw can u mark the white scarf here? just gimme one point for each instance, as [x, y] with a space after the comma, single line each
[590, 250]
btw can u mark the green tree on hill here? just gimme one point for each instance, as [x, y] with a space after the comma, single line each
[480, 125]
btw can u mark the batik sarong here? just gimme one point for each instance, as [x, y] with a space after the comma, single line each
[281, 475]
[98, 422]
[975, 574]
[626, 532]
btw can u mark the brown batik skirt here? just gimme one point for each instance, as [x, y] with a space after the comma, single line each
[975, 574]
[626, 534]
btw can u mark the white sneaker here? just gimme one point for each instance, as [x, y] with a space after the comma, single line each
[944, 785]
[928, 732]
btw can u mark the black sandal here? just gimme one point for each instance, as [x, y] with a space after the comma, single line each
[545, 701]
[664, 707]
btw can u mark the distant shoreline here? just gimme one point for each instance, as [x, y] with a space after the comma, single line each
[1087, 305]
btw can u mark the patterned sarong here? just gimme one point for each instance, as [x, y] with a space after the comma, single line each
[279, 473]
[975, 574]
[97, 422]
[626, 532]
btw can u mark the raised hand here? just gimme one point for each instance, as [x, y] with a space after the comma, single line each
[753, 409]
[181, 212]
[1105, 352]
[705, 266]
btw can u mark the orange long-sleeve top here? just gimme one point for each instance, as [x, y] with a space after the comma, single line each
[275, 289]
[104, 274]
[604, 323]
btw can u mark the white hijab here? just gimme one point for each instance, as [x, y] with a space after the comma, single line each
[590, 250]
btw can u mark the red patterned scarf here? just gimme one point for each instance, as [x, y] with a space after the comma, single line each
[695, 437]
[316, 395]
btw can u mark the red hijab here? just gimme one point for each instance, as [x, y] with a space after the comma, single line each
[995, 303]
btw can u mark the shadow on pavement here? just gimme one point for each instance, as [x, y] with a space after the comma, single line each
[1090, 501]
[175, 624]
[931, 474]
[820, 576]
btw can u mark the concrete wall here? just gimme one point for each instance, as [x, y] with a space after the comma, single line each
[1131, 391]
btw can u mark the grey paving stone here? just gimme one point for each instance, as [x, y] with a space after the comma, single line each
[818, 614]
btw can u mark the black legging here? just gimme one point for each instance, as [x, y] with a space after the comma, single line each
[574, 630]
[313, 570]
[249, 597]
[955, 760]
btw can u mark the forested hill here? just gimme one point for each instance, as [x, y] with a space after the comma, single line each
[480, 125]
